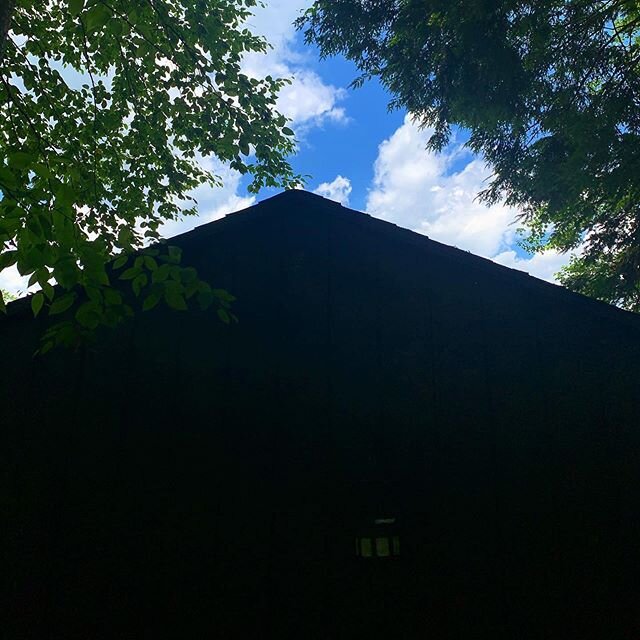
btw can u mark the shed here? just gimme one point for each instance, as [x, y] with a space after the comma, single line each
[397, 440]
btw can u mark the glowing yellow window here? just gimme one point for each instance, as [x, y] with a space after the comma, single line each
[382, 542]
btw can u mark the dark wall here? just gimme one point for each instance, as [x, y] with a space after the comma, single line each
[185, 479]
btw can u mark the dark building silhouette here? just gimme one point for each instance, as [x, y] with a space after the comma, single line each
[397, 440]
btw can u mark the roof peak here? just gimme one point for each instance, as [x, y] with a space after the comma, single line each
[470, 260]
[298, 194]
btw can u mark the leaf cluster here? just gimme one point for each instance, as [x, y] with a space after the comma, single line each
[107, 108]
[156, 276]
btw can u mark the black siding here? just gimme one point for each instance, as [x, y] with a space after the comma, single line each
[185, 479]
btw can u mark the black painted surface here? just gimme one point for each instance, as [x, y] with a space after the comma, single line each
[185, 479]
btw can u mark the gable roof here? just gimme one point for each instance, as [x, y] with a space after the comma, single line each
[299, 202]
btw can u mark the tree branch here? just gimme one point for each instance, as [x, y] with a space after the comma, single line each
[6, 12]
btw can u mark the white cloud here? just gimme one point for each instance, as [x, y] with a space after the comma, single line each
[420, 190]
[541, 265]
[308, 100]
[339, 190]
[12, 281]
[274, 20]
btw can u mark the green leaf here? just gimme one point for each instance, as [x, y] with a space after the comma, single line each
[33, 279]
[94, 294]
[223, 294]
[175, 300]
[161, 273]
[205, 299]
[75, 7]
[61, 304]
[175, 254]
[191, 288]
[151, 301]
[33, 224]
[3, 306]
[41, 169]
[130, 273]
[150, 263]
[66, 272]
[119, 262]
[7, 259]
[88, 315]
[48, 290]
[7, 178]
[20, 159]
[36, 303]
[65, 196]
[112, 297]
[97, 17]
[139, 282]
[224, 316]
[188, 274]
[45, 348]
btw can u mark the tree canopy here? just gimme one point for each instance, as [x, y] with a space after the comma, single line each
[550, 93]
[106, 108]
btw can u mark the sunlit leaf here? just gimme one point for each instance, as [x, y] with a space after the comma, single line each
[36, 303]
[75, 6]
[61, 304]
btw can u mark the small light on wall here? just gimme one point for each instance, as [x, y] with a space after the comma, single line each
[381, 542]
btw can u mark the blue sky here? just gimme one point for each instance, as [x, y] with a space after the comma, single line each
[364, 157]
[360, 154]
